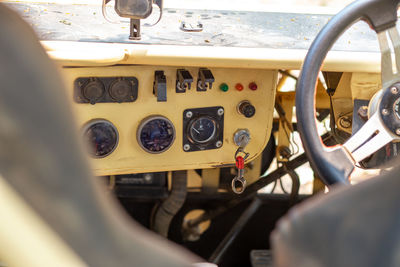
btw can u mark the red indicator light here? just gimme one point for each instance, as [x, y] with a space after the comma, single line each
[239, 87]
[253, 86]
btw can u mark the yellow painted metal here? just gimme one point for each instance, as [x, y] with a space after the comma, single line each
[286, 100]
[318, 185]
[342, 102]
[210, 179]
[365, 85]
[353, 86]
[322, 97]
[129, 157]
[208, 56]
[252, 171]
[25, 239]
[193, 179]
[92, 57]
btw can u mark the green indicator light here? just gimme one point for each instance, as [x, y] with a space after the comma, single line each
[224, 87]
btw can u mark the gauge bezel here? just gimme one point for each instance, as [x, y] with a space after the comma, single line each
[147, 120]
[89, 124]
[216, 114]
[193, 121]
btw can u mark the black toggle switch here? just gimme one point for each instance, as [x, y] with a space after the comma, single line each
[160, 86]
[246, 109]
[204, 80]
[183, 80]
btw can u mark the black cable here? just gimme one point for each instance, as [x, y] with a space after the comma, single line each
[252, 189]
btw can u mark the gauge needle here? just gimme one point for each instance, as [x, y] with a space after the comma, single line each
[196, 130]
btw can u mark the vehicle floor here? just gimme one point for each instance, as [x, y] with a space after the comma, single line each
[254, 236]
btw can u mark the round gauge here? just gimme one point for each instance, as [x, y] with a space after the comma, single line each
[202, 130]
[102, 137]
[156, 134]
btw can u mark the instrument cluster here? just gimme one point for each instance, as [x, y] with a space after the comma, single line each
[147, 118]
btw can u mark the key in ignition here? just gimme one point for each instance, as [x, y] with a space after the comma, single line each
[241, 139]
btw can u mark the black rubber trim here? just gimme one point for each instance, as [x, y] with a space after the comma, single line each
[379, 14]
[333, 166]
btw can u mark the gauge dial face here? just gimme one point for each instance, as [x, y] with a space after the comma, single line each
[156, 134]
[102, 137]
[202, 130]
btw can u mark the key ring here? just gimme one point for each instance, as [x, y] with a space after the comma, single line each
[241, 150]
[238, 185]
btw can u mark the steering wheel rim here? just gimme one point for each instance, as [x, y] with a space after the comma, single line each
[335, 165]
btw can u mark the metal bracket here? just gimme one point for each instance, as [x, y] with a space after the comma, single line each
[134, 33]
[189, 27]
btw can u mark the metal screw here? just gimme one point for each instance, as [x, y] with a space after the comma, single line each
[220, 112]
[189, 114]
[385, 112]
[218, 144]
[186, 147]
[394, 90]
[398, 131]
[363, 112]
[345, 122]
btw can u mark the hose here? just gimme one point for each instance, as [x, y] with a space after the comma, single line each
[170, 207]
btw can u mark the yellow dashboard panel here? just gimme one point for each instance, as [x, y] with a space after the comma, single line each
[130, 157]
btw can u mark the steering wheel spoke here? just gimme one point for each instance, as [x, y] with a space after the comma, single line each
[359, 174]
[369, 139]
[390, 74]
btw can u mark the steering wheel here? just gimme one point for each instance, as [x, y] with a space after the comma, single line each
[335, 165]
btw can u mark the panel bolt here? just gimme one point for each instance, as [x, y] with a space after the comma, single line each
[385, 112]
[220, 111]
[345, 122]
[186, 147]
[218, 144]
[189, 114]
[398, 131]
[363, 112]
[394, 90]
